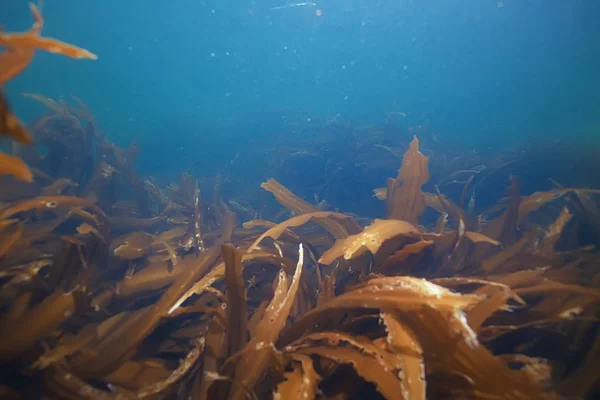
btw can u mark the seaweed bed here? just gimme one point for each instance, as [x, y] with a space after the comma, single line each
[114, 286]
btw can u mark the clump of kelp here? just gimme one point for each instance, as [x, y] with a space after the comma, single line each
[115, 287]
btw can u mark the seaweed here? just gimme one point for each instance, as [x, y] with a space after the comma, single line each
[20, 50]
[115, 286]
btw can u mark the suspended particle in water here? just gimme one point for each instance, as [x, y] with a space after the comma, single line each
[405, 67]
[343, 67]
[212, 54]
[319, 13]
[500, 4]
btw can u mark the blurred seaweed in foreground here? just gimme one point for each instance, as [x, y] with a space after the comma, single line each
[117, 287]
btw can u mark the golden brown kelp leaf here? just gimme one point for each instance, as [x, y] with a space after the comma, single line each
[439, 203]
[68, 345]
[108, 354]
[369, 368]
[133, 375]
[32, 40]
[218, 272]
[10, 124]
[449, 341]
[404, 342]
[65, 384]
[301, 382]
[15, 59]
[153, 276]
[216, 349]
[476, 237]
[554, 232]
[20, 49]
[20, 335]
[8, 239]
[371, 360]
[252, 365]
[529, 204]
[495, 262]
[45, 203]
[237, 331]
[402, 293]
[58, 186]
[289, 200]
[495, 297]
[185, 365]
[411, 250]
[370, 239]
[405, 200]
[296, 221]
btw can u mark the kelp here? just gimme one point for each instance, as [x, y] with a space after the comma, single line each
[405, 201]
[19, 334]
[250, 367]
[370, 239]
[18, 53]
[114, 286]
[11, 126]
[301, 382]
[299, 220]
[402, 340]
[368, 367]
[236, 300]
[299, 206]
[32, 40]
[228, 340]
[117, 346]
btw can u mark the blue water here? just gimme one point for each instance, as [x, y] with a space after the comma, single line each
[189, 80]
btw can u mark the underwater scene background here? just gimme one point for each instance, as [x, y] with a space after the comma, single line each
[300, 200]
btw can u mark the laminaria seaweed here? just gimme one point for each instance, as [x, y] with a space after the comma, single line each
[160, 293]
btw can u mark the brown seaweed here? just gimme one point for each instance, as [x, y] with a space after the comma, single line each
[178, 304]
[405, 201]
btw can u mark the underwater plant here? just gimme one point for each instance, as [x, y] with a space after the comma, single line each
[116, 287]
